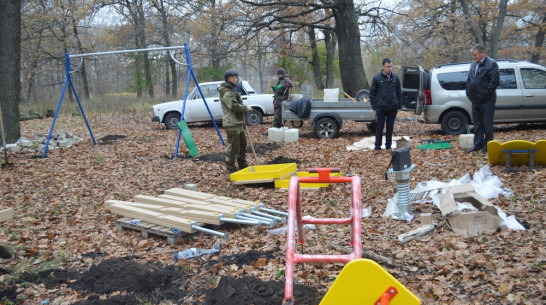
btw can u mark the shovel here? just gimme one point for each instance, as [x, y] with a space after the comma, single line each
[251, 145]
[6, 164]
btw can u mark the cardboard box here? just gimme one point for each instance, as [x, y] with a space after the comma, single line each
[426, 219]
[472, 223]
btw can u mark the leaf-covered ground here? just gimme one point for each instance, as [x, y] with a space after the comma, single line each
[62, 233]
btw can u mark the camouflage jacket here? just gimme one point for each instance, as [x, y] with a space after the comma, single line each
[284, 93]
[233, 109]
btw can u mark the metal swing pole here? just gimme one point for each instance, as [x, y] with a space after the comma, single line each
[183, 110]
[190, 72]
[66, 81]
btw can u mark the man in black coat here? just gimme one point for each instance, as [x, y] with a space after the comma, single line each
[386, 98]
[481, 84]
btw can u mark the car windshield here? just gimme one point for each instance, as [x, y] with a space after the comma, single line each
[209, 91]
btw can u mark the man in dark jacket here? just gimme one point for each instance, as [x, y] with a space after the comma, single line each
[233, 121]
[386, 98]
[481, 84]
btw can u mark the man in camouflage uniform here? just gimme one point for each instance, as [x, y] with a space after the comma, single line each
[282, 93]
[233, 121]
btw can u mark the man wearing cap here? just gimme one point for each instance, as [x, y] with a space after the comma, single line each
[233, 121]
[282, 93]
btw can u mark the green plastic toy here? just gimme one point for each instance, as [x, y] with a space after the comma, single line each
[188, 139]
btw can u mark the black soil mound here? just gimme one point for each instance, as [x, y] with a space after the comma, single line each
[109, 139]
[282, 160]
[122, 274]
[50, 278]
[250, 290]
[262, 148]
[247, 258]
[4, 252]
[213, 157]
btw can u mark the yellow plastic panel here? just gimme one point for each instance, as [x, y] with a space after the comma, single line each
[285, 183]
[264, 173]
[363, 281]
[495, 148]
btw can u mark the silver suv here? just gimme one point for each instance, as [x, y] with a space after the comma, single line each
[521, 96]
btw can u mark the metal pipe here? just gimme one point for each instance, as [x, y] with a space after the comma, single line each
[241, 221]
[205, 230]
[268, 222]
[273, 221]
[177, 61]
[252, 219]
[127, 51]
[282, 220]
[262, 208]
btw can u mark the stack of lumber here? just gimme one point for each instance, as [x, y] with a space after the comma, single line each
[185, 210]
[6, 214]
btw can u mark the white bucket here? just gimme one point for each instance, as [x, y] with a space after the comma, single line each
[291, 135]
[466, 141]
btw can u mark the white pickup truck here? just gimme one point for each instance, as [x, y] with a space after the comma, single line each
[169, 113]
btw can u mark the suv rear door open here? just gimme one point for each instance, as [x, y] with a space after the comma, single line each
[413, 84]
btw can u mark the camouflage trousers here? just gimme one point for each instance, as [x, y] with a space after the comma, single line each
[236, 148]
[277, 119]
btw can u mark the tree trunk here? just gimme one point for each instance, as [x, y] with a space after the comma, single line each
[353, 76]
[138, 72]
[498, 29]
[315, 60]
[34, 66]
[330, 42]
[148, 71]
[83, 69]
[10, 65]
[473, 28]
[167, 78]
[539, 42]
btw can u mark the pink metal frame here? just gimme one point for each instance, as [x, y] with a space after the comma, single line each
[295, 219]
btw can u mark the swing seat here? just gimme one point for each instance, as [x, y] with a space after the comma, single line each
[363, 281]
[188, 139]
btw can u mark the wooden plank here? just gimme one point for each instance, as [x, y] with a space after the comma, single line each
[160, 201]
[247, 202]
[147, 206]
[230, 203]
[181, 199]
[179, 223]
[188, 194]
[6, 214]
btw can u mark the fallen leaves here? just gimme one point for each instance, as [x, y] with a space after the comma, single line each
[59, 209]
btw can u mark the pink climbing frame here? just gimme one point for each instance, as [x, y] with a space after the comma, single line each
[295, 219]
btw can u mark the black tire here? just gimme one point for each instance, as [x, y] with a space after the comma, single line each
[171, 120]
[363, 95]
[454, 122]
[297, 124]
[254, 118]
[372, 126]
[326, 128]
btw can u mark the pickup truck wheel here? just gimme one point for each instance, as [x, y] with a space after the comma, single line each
[454, 122]
[171, 120]
[297, 124]
[326, 128]
[363, 95]
[254, 118]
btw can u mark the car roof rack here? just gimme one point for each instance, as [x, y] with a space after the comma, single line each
[469, 62]
[452, 64]
[508, 60]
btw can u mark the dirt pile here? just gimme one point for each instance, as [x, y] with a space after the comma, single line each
[250, 290]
